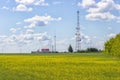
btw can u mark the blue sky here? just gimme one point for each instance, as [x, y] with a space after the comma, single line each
[27, 25]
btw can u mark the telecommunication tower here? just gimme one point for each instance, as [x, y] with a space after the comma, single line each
[55, 43]
[78, 36]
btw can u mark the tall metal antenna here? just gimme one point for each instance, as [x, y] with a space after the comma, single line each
[55, 43]
[78, 38]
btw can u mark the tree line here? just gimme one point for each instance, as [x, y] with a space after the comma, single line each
[70, 49]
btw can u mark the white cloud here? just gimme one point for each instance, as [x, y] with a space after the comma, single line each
[105, 5]
[42, 36]
[111, 35]
[32, 2]
[2, 37]
[25, 1]
[7, 40]
[101, 10]
[32, 25]
[24, 38]
[102, 6]
[29, 31]
[87, 3]
[45, 19]
[117, 6]
[41, 3]
[5, 8]
[26, 41]
[22, 7]
[40, 21]
[14, 30]
[100, 16]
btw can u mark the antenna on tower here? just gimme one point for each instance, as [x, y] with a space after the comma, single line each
[78, 38]
[55, 43]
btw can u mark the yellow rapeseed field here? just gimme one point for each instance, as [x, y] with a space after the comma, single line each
[59, 66]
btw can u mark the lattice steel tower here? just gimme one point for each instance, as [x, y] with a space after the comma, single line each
[78, 36]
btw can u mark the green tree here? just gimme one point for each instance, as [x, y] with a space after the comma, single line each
[70, 49]
[112, 46]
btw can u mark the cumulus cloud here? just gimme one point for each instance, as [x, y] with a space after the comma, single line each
[29, 31]
[39, 21]
[111, 35]
[41, 3]
[87, 3]
[14, 30]
[101, 10]
[42, 36]
[28, 37]
[2, 38]
[7, 40]
[100, 16]
[22, 7]
[103, 6]
[32, 2]
[25, 1]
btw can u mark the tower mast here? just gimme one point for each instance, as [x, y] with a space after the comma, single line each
[78, 38]
[55, 43]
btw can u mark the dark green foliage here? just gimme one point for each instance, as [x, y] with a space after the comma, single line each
[92, 50]
[88, 50]
[82, 51]
[70, 49]
[112, 46]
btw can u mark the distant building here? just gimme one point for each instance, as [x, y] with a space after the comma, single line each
[45, 50]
